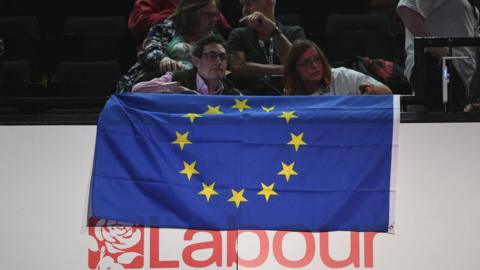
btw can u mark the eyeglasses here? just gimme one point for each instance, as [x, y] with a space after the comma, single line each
[309, 62]
[212, 56]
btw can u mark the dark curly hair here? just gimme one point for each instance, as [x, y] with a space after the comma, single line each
[209, 39]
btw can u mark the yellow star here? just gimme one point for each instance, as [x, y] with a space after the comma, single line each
[213, 110]
[297, 140]
[287, 170]
[208, 191]
[288, 116]
[192, 116]
[237, 197]
[268, 109]
[189, 169]
[267, 191]
[181, 139]
[241, 105]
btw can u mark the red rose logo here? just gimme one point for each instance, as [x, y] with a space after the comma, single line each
[115, 245]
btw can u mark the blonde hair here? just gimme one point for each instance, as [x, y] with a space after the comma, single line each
[293, 85]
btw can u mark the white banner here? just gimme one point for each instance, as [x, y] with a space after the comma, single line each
[45, 173]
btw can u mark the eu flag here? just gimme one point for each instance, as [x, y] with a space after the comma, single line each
[226, 163]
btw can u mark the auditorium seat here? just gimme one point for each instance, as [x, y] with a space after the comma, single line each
[314, 13]
[15, 79]
[97, 39]
[362, 35]
[85, 79]
[115, 25]
[361, 22]
[5, 111]
[19, 26]
[22, 39]
[375, 45]
[289, 19]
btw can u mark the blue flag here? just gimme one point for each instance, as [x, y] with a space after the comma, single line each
[226, 163]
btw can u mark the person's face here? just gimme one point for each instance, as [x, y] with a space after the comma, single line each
[213, 62]
[309, 67]
[249, 6]
[206, 18]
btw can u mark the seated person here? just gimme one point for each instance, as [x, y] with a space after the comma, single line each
[192, 20]
[147, 13]
[472, 107]
[206, 78]
[307, 72]
[259, 49]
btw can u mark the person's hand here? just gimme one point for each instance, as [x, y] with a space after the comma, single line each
[178, 89]
[157, 86]
[472, 107]
[366, 89]
[173, 87]
[259, 23]
[168, 64]
[438, 53]
[185, 90]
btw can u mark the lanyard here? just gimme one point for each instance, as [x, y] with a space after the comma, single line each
[268, 54]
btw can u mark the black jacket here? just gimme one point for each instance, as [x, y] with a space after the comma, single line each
[188, 78]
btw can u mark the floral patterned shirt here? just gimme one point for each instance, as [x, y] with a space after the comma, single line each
[154, 48]
[181, 51]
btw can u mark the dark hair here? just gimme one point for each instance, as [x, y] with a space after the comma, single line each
[184, 15]
[293, 85]
[209, 39]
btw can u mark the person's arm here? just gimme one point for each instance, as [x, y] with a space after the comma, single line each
[372, 89]
[153, 55]
[223, 22]
[268, 28]
[241, 69]
[164, 84]
[368, 85]
[147, 13]
[364, 84]
[283, 43]
[415, 23]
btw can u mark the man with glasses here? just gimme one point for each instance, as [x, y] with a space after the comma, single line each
[209, 58]
[259, 49]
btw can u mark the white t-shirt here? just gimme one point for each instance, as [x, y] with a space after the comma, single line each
[346, 82]
[445, 18]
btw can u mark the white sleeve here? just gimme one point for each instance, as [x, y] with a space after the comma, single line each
[422, 7]
[346, 81]
[357, 78]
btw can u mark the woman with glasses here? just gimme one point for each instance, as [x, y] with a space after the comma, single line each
[307, 72]
[209, 58]
[168, 45]
[147, 13]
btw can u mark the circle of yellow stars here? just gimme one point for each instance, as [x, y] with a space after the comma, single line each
[238, 196]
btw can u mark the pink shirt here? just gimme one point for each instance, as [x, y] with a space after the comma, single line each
[164, 84]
